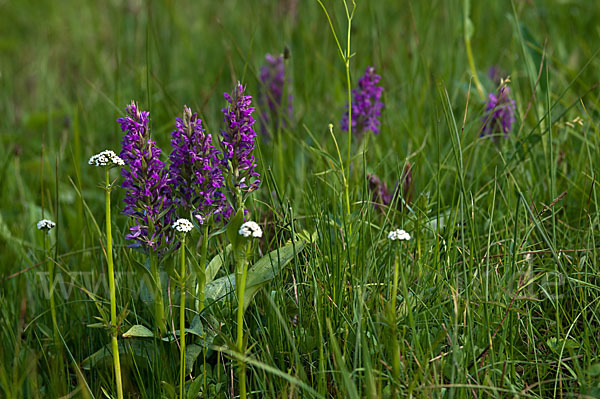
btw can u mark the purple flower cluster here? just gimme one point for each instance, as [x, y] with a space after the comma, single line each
[273, 78]
[198, 176]
[499, 113]
[238, 141]
[366, 104]
[195, 168]
[146, 182]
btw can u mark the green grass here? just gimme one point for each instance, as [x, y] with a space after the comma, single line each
[501, 290]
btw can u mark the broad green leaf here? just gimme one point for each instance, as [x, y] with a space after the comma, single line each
[260, 273]
[594, 370]
[196, 328]
[194, 387]
[233, 228]
[191, 354]
[168, 389]
[216, 263]
[138, 331]
[143, 349]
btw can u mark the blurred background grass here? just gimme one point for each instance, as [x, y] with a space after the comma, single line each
[68, 68]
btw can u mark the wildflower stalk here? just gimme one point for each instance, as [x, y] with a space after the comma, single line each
[111, 286]
[397, 235]
[159, 311]
[50, 266]
[349, 16]
[241, 234]
[241, 271]
[392, 316]
[468, 32]
[182, 317]
[238, 142]
[346, 59]
[45, 226]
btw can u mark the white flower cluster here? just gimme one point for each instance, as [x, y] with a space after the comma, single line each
[398, 235]
[250, 229]
[45, 224]
[183, 225]
[106, 158]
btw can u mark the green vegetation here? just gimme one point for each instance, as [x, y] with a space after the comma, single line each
[497, 292]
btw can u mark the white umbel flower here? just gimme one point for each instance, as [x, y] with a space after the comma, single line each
[106, 158]
[398, 235]
[183, 225]
[45, 224]
[250, 229]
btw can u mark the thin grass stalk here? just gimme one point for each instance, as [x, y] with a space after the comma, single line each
[182, 318]
[113, 297]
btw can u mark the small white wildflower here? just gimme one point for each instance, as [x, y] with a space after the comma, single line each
[398, 235]
[106, 158]
[183, 225]
[45, 224]
[250, 229]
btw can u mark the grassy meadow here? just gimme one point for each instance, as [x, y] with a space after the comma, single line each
[496, 294]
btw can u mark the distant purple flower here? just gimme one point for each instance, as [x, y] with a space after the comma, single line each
[238, 142]
[495, 74]
[366, 104]
[195, 170]
[380, 194]
[499, 113]
[273, 78]
[148, 193]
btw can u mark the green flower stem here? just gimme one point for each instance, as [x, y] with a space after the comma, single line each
[349, 16]
[241, 271]
[182, 318]
[159, 309]
[113, 297]
[50, 266]
[468, 31]
[346, 59]
[394, 341]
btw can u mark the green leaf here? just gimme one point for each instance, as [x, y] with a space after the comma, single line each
[191, 354]
[142, 349]
[469, 28]
[594, 370]
[557, 344]
[264, 270]
[216, 263]
[169, 389]
[138, 331]
[195, 386]
[233, 228]
[196, 328]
